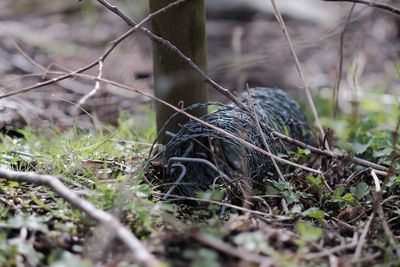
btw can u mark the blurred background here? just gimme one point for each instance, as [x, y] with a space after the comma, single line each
[245, 46]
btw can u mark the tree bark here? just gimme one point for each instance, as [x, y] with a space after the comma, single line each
[174, 81]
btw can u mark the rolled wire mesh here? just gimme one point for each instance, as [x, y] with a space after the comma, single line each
[198, 157]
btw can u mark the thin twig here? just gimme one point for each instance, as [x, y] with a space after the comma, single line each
[340, 63]
[377, 168]
[331, 154]
[174, 49]
[30, 59]
[394, 154]
[96, 88]
[381, 213]
[361, 242]
[236, 252]
[301, 74]
[140, 253]
[377, 183]
[265, 143]
[112, 46]
[371, 4]
[236, 138]
[327, 252]
[224, 204]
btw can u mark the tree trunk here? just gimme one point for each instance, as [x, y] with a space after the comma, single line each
[174, 81]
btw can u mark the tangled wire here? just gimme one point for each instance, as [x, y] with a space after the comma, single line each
[198, 157]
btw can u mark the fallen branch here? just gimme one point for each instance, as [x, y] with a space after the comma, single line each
[331, 154]
[378, 168]
[328, 252]
[240, 140]
[264, 215]
[140, 253]
[377, 197]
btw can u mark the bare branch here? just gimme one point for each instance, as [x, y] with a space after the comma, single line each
[371, 4]
[301, 74]
[112, 46]
[377, 197]
[259, 129]
[91, 93]
[240, 140]
[340, 64]
[174, 49]
[140, 253]
[361, 242]
[344, 156]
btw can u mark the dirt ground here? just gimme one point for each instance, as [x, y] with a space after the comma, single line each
[65, 35]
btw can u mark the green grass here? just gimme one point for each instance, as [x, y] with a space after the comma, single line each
[105, 166]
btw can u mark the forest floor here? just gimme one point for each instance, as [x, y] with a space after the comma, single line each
[348, 216]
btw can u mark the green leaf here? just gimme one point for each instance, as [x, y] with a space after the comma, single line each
[308, 232]
[349, 199]
[303, 151]
[360, 148]
[360, 190]
[383, 152]
[393, 181]
[287, 191]
[314, 213]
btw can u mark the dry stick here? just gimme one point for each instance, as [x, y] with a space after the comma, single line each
[220, 130]
[327, 252]
[382, 170]
[340, 63]
[394, 154]
[371, 4]
[175, 50]
[223, 204]
[140, 253]
[361, 242]
[377, 168]
[113, 44]
[300, 72]
[124, 36]
[265, 143]
[379, 210]
[70, 74]
[30, 59]
[91, 93]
